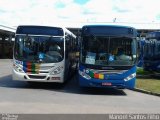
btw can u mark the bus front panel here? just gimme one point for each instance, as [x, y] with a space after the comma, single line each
[107, 78]
[38, 72]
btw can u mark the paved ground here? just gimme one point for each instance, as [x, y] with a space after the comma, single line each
[20, 97]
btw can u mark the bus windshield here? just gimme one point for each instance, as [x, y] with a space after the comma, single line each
[39, 49]
[108, 51]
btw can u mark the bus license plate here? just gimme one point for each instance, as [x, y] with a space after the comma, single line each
[106, 84]
[55, 78]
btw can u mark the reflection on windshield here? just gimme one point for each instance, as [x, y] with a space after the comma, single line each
[39, 49]
[108, 51]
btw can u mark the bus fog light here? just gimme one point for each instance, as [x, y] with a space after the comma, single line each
[130, 77]
[84, 75]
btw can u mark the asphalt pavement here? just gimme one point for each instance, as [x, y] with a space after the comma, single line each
[52, 98]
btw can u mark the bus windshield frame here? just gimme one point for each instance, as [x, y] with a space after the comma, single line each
[39, 48]
[102, 51]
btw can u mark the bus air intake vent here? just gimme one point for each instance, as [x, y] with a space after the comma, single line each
[36, 77]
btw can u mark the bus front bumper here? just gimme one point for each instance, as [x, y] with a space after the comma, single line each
[119, 84]
[37, 77]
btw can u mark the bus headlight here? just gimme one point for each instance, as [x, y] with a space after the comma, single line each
[130, 77]
[84, 75]
[56, 71]
[17, 68]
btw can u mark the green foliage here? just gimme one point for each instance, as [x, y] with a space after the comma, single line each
[140, 71]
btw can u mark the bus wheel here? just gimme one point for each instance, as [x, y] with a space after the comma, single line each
[69, 72]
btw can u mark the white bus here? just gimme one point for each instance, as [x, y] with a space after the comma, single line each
[43, 54]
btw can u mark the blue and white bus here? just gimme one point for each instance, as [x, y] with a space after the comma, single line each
[141, 43]
[43, 54]
[152, 52]
[108, 56]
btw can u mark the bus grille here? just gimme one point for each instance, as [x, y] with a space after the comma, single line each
[46, 67]
[36, 77]
[109, 71]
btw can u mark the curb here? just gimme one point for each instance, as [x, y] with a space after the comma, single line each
[145, 91]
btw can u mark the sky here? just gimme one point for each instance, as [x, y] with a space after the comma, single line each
[76, 12]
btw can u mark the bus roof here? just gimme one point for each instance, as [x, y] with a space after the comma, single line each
[108, 26]
[109, 30]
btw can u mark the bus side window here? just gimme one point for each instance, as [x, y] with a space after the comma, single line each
[66, 51]
[67, 47]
